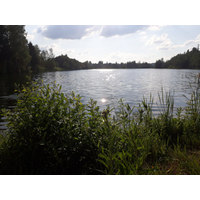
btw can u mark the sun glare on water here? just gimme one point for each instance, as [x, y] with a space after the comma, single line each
[105, 70]
[103, 100]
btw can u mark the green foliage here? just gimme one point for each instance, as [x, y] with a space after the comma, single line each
[35, 61]
[66, 63]
[49, 133]
[53, 133]
[159, 63]
[130, 65]
[188, 60]
[14, 54]
[190, 163]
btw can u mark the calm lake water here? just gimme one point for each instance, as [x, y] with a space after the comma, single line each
[107, 86]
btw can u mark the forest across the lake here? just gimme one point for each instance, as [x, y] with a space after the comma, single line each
[17, 55]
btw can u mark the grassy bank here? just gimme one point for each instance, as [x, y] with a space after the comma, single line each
[53, 133]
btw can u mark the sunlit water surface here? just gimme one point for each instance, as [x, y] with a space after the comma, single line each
[107, 86]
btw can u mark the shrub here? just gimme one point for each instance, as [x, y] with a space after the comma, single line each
[50, 133]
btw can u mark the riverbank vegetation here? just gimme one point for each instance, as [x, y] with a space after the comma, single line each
[54, 133]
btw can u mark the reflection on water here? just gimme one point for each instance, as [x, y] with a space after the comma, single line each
[103, 100]
[107, 86]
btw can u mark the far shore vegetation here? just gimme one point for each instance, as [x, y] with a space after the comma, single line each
[18, 56]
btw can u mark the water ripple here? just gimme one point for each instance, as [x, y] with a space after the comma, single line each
[130, 84]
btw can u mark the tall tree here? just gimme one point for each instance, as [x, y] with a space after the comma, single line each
[18, 52]
[14, 52]
[159, 63]
[46, 59]
[35, 61]
[4, 48]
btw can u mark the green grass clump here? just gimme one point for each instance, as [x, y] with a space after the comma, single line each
[54, 133]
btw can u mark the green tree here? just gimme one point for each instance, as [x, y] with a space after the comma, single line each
[44, 55]
[66, 65]
[159, 63]
[19, 53]
[51, 55]
[14, 52]
[47, 59]
[4, 48]
[188, 60]
[35, 61]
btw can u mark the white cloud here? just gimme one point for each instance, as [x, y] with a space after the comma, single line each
[47, 47]
[126, 57]
[142, 33]
[120, 30]
[39, 29]
[69, 32]
[30, 37]
[122, 56]
[156, 39]
[76, 32]
[162, 42]
[155, 27]
[190, 42]
[94, 30]
[70, 51]
[86, 52]
[56, 49]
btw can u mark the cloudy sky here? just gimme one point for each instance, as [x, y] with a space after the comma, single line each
[115, 43]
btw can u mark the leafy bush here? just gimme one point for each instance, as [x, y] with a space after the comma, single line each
[50, 133]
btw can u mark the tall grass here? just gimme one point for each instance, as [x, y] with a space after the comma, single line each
[54, 133]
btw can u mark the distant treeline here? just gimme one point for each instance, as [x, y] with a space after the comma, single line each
[132, 64]
[187, 60]
[17, 55]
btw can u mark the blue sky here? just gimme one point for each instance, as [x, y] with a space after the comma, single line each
[115, 43]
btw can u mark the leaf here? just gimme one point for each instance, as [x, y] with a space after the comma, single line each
[167, 170]
[140, 148]
[186, 97]
[122, 168]
[102, 156]
[103, 163]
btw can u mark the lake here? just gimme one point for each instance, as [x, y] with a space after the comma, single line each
[107, 86]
